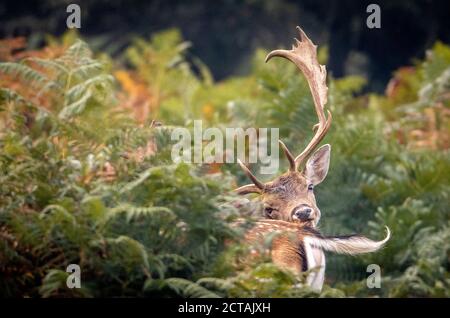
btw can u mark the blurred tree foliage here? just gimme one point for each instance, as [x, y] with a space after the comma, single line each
[86, 174]
[236, 28]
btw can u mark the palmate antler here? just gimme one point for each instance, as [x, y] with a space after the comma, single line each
[304, 55]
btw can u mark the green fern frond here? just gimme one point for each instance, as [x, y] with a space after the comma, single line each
[54, 284]
[189, 289]
[58, 68]
[129, 251]
[88, 69]
[25, 73]
[77, 52]
[77, 107]
[134, 212]
[8, 95]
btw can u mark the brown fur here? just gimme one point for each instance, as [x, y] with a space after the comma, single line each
[286, 244]
[287, 192]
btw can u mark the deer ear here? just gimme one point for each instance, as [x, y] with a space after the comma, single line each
[249, 188]
[317, 166]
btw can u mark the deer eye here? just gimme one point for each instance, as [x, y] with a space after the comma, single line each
[268, 210]
[310, 187]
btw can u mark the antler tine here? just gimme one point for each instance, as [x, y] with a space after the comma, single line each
[246, 189]
[304, 56]
[289, 156]
[321, 131]
[252, 177]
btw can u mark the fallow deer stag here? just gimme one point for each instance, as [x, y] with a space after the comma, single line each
[289, 204]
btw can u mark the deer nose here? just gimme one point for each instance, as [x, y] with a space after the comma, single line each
[302, 213]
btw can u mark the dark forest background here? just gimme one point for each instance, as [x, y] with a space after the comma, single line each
[226, 33]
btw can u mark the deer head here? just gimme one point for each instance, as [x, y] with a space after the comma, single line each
[290, 197]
